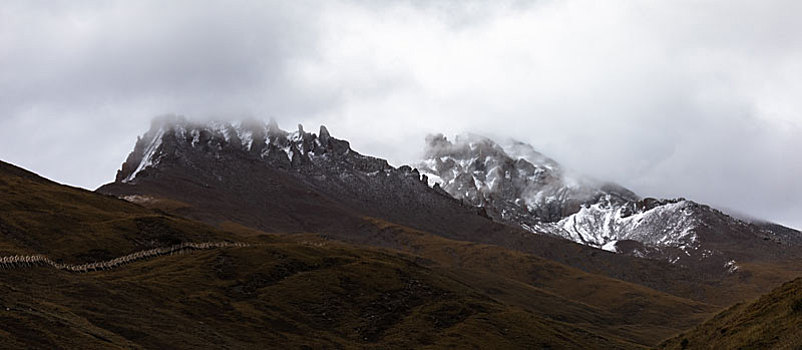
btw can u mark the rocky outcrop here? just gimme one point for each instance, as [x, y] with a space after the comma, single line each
[175, 138]
[520, 186]
[515, 182]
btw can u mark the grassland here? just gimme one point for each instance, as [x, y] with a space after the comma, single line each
[282, 291]
[773, 321]
[296, 290]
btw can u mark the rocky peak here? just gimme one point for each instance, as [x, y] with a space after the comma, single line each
[518, 185]
[511, 178]
[178, 139]
[324, 135]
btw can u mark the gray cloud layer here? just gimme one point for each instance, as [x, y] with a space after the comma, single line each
[683, 98]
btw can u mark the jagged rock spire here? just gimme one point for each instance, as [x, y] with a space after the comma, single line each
[324, 135]
[179, 138]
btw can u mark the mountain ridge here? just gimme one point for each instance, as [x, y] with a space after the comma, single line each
[521, 186]
[330, 189]
[344, 250]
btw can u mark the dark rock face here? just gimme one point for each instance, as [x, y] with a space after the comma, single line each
[177, 141]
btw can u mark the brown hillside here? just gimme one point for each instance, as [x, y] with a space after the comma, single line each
[774, 321]
[528, 301]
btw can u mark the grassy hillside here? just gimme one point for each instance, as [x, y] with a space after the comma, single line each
[597, 302]
[77, 226]
[345, 208]
[298, 289]
[278, 294]
[774, 321]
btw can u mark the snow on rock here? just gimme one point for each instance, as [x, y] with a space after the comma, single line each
[521, 186]
[610, 246]
[604, 222]
[248, 138]
[512, 182]
[148, 159]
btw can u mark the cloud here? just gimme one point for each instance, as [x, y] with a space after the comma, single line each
[695, 99]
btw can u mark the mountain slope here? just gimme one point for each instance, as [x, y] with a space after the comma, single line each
[73, 225]
[595, 302]
[262, 177]
[300, 289]
[516, 184]
[307, 172]
[773, 321]
[208, 172]
[267, 296]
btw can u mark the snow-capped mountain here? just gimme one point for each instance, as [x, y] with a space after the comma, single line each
[521, 186]
[279, 172]
[257, 175]
[175, 136]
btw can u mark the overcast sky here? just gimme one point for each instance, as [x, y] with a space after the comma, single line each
[700, 99]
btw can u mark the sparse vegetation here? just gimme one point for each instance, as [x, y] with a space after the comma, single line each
[797, 306]
[300, 289]
[772, 321]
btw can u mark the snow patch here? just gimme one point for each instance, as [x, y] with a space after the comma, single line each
[601, 223]
[148, 156]
[432, 179]
[195, 137]
[610, 246]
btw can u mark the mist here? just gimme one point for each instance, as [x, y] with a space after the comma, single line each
[693, 99]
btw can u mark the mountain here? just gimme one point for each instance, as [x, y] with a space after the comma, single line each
[774, 321]
[520, 186]
[304, 290]
[256, 175]
[242, 235]
[262, 176]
